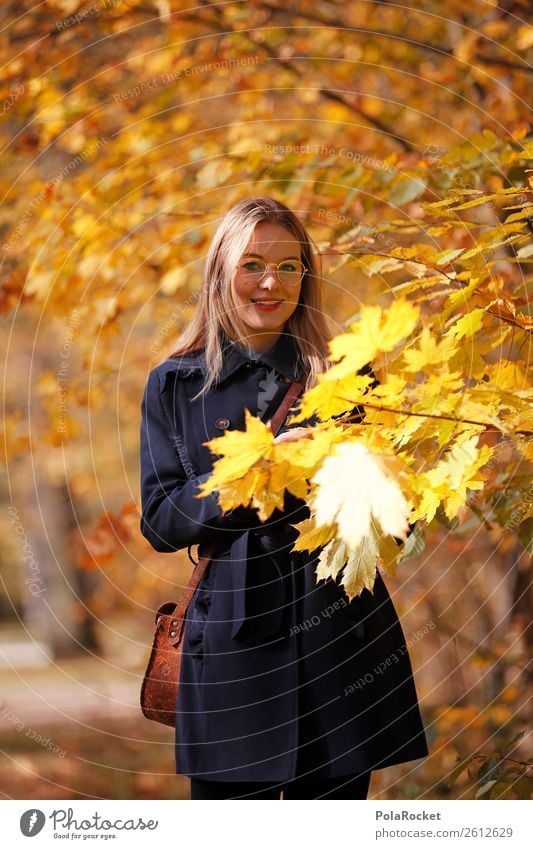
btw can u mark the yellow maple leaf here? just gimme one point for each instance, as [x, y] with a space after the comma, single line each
[377, 330]
[449, 480]
[240, 450]
[507, 375]
[390, 391]
[357, 566]
[406, 429]
[253, 470]
[313, 536]
[240, 491]
[308, 452]
[428, 505]
[389, 553]
[468, 324]
[332, 396]
[429, 352]
[359, 573]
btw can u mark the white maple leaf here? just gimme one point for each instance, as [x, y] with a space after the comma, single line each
[352, 486]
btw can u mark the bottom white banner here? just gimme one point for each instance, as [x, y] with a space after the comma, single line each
[241, 824]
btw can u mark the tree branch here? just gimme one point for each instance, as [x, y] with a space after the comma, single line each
[453, 280]
[432, 416]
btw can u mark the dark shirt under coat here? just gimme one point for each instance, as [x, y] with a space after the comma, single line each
[280, 676]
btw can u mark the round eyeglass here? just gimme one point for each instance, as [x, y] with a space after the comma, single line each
[289, 272]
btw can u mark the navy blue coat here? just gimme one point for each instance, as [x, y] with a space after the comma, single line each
[280, 676]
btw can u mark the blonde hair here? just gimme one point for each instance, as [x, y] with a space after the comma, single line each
[216, 315]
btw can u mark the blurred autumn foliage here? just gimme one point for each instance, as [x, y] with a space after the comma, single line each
[401, 135]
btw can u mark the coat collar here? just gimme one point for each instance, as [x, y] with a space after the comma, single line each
[283, 356]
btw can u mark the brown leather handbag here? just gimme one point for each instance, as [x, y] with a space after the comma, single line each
[159, 691]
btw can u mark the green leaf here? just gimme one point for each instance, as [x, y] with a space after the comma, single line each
[441, 517]
[414, 544]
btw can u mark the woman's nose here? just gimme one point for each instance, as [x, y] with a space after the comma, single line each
[270, 279]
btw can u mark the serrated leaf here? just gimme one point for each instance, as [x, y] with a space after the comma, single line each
[359, 572]
[336, 499]
[333, 397]
[239, 452]
[311, 536]
[331, 560]
[414, 545]
[429, 351]
[468, 324]
[377, 330]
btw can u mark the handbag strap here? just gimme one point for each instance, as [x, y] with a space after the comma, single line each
[276, 422]
[289, 398]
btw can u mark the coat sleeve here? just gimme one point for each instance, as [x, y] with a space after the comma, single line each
[171, 516]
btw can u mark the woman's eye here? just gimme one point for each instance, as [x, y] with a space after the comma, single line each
[288, 266]
[252, 265]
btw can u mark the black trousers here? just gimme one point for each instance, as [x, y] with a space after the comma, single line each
[346, 787]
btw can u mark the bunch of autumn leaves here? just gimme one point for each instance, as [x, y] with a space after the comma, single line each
[417, 448]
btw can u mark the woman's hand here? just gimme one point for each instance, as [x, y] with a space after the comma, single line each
[293, 434]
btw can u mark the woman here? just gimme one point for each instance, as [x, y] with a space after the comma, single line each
[284, 684]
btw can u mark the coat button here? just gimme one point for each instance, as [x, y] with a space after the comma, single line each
[222, 423]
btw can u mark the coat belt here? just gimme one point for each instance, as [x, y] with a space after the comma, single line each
[261, 583]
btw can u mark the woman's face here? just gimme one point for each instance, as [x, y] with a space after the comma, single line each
[266, 305]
